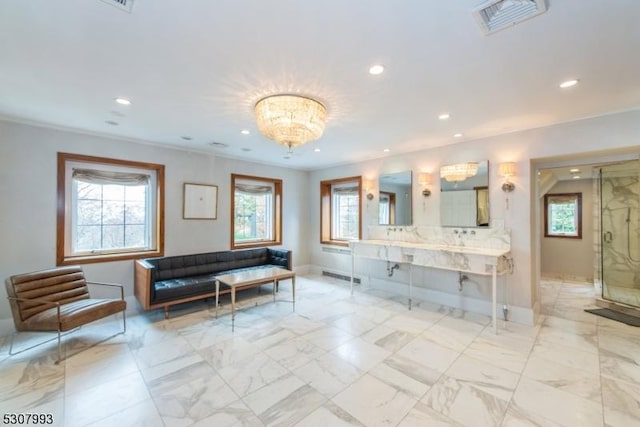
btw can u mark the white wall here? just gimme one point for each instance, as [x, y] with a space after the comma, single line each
[28, 188]
[597, 135]
[570, 257]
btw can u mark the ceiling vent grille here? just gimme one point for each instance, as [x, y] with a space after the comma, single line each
[495, 15]
[126, 5]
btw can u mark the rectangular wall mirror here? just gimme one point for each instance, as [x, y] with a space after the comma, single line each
[464, 197]
[394, 206]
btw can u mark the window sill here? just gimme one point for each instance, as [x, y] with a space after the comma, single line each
[344, 243]
[563, 236]
[90, 259]
[260, 244]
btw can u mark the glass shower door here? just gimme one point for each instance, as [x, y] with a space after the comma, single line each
[619, 202]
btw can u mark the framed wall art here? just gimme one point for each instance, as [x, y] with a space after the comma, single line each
[200, 201]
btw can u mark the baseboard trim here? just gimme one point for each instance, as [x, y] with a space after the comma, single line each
[523, 315]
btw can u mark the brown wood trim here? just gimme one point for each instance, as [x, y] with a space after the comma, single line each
[335, 243]
[325, 210]
[546, 213]
[61, 259]
[109, 257]
[142, 284]
[392, 207]
[257, 245]
[60, 209]
[277, 223]
[160, 185]
[167, 304]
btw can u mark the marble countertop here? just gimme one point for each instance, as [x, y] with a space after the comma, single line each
[492, 252]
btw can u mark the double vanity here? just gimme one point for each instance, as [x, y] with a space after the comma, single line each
[467, 241]
[479, 251]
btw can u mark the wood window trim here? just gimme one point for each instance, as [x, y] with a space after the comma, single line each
[546, 215]
[326, 209]
[277, 221]
[61, 211]
[392, 206]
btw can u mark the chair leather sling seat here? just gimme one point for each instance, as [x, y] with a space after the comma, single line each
[74, 314]
[58, 300]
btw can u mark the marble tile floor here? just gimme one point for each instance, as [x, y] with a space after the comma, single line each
[337, 361]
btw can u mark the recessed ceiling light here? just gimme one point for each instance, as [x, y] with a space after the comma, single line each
[576, 177]
[187, 138]
[574, 170]
[457, 135]
[111, 122]
[317, 150]
[386, 150]
[123, 101]
[245, 132]
[376, 69]
[444, 116]
[568, 83]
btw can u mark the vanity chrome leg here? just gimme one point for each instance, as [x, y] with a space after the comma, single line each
[410, 285]
[353, 263]
[494, 296]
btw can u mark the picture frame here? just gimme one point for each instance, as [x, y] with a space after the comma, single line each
[200, 201]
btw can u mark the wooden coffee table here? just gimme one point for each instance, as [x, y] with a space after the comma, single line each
[251, 279]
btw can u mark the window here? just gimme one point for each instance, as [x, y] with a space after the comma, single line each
[108, 209]
[387, 208]
[256, 204]
[563, 215]
[340, 215]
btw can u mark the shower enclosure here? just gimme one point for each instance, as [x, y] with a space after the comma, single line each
[619, 227]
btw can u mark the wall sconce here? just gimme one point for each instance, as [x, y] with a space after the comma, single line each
[424, 179]
[368, 186]
[507, 170]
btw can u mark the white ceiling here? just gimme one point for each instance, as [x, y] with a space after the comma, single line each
[196, 68]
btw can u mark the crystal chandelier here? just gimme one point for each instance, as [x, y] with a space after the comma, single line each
[290, 120]
[458, 172]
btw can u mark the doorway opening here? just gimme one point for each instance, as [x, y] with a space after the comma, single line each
[588, 231]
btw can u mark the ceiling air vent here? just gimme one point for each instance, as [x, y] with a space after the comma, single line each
[126, 5]
[495, 15]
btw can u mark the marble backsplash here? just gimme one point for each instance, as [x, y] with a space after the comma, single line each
[493, 238]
